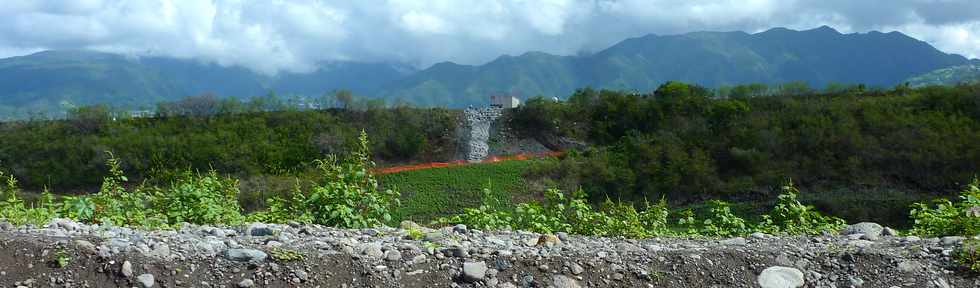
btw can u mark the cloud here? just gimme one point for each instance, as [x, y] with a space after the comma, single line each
[294, 35]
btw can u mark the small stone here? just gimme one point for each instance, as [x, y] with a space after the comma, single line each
[393, 255]
[474, 271]
[460, 228]
[146, 280]
[247, 283]
[62, 223]
[301, 275]
[373, 250]
[259, 229]
[576, 269]
[548, 240]
[85, 246]
[618, 276]
[562, 281]
[951, 240]
[909, 266]
[127, 269]
[435, 236]
[245, 255]
[856, 281]
[888, 231]
[870, 237]
[758, 235]
[562, 236]
[458, 252]
[293, 224]
[780, 277]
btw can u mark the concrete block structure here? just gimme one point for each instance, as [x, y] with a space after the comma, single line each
[504, 102]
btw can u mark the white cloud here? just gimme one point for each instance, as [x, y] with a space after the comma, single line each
[294, 35]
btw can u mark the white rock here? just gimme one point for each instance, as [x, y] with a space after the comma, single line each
[146, 280]
[562, 281]
[474, 271]
[781, 277]
[127, 269]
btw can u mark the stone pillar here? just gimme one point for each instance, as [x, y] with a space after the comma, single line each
[475, 131]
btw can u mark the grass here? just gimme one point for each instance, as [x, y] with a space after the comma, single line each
[431, 193]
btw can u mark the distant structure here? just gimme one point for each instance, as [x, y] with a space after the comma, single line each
[504, 102]
[140, 114]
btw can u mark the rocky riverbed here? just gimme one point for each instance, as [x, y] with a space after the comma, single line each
[68, 254]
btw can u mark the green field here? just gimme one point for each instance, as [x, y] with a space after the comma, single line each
[430, 193]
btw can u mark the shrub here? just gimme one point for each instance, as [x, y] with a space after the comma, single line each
[622, 219]
[282, 210]
[348, 195]
[199, 199]
[654, 218]
[14, 210]
[722, 222]
[792, 217]
[113, 203]
[968, 255]
[947, 217]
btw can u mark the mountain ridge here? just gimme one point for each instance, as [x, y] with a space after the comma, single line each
[46, 80]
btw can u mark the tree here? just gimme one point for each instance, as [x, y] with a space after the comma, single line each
[344, 98]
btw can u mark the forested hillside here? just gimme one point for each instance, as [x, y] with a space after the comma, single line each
[52, 82]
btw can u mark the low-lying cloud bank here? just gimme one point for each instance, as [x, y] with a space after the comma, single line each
[293, 35]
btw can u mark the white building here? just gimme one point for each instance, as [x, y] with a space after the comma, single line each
[504, 101]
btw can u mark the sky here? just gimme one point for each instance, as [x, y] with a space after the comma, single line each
[272, 36]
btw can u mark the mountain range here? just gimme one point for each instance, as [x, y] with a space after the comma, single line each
[50, 80]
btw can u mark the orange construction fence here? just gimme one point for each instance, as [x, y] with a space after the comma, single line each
[491, 159]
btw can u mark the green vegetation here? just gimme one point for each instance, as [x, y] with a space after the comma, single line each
[431, 193]
[61, 258]
[682, 143]
[968, 255]
[286, 255]
[68, 155]
[348, 196]
[789, 216]
[722, 161]
[949, 218]
[573, 214]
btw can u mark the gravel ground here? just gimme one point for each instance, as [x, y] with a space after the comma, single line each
[68, 254]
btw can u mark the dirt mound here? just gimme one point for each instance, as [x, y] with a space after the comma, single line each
[67, 254]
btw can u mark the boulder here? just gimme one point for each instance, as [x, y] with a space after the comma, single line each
[474, 271]
[869, 229]
[781, 277]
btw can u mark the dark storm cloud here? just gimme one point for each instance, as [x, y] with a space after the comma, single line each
[276, 35]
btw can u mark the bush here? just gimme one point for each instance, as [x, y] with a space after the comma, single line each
[968, 255]
[113, 204]
[15, 211]
[722, 222]
[348, 195]
[282, 210]
[792, 217]
[199, 199]
[947, 217]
